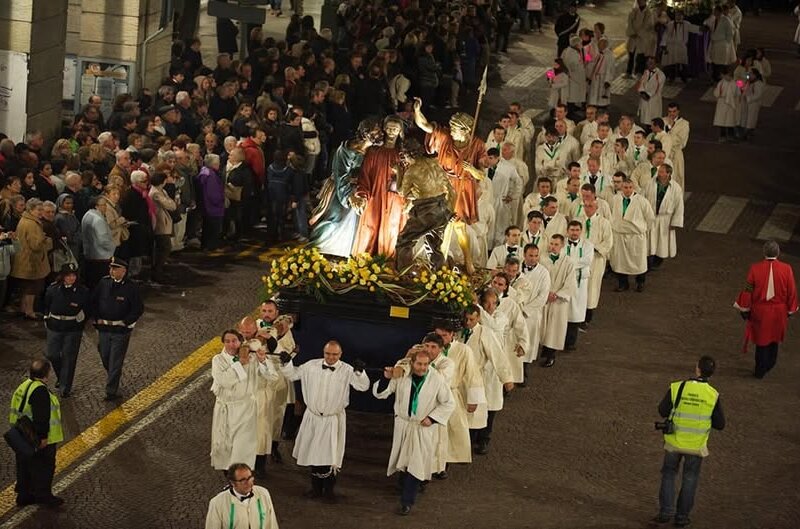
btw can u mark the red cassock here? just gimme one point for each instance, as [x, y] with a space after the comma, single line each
[383, 218]
[440, 142]
[768, 317]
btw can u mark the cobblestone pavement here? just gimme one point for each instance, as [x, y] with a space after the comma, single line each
[574, 450]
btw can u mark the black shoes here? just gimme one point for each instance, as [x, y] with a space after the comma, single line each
[404, 510]
[622, 288]
[550, 362]
[440, 475]
[482, 448]
[660, 519]
[640, 287]
[682, 522]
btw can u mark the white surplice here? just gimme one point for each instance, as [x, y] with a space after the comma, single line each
[227, 511]
[581, 255]
[533, 306]
[414, 445]
[651, 83]
[556, 313]
[629, 252]
[321, 437]
[233, 424]
[668, 217]
[598, 230]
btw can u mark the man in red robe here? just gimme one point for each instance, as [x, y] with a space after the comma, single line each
[768, 299]
[382, 216]
[460, 155]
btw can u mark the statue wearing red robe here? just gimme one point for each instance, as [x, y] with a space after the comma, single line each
[383, 217]
[450, 157]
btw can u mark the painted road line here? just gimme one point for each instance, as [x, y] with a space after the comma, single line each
[527, 76]
[620, 50]
[74, 475]
[250, 249]
[722, 214]
[671, 91]
[781, 223]
[129, 410]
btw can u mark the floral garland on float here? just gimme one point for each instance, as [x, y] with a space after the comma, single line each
[307, 269]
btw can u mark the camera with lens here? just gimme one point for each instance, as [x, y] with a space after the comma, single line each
[667, 426]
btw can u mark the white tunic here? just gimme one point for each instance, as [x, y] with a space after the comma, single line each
[515, 334]
[559, 90]
[576, 92]
[233, 424]
[581, 256]
[272, 395]
[533, 238]
[556, 224]
[601, 71]
[556, 313]
[499, 254]
[676, 40]
[506, 185]
[721, 49]
[668, 216]
[551, 161]
[679, 132]
[598, 230]
[227, 511]
[629, 252]
[651, 83]
[726, 113]
[414, 445]
[467, 387]
[603, 209]
[321, 437]
[533, 307]
[641, 31]
[491, 359]
[751, 104]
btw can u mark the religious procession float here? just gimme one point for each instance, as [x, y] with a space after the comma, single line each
[378, 272]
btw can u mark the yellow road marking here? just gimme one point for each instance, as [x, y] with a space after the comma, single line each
[129, 410]
[219, 252]
[620, 50]
[251, 249]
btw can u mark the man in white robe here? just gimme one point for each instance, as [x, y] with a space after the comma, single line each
[659, 134]
[320, 441]
[726, 112]
[563, 285]
[571, 194]
[601, 73]
[235, 372]
[483, 229]
[596, 176]
[638, 150]
[534, 233]
[666, 199]
[538, 277]
[494, 325]
[650, 89]
[491, 360]
[554, 221]
[581, 252]
[534, 200]
[511, 246]
[573, 60]
[551, 159]
[721, 51]
[241, 505]
[642, 36]
[597, 230]
[468, 391]
[586, 128]
[515, 333]
[626, 128]
[620, 162]
[567, 142]
[507, 190]
[422, 400]
[735, 15]
[678, 129]
[675, 53]
[631, 217]
[646, 171]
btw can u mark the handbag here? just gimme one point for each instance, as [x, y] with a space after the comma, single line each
[21, 437]
[233, 193]
[63, 255]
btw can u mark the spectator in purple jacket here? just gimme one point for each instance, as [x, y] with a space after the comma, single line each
[212, 202]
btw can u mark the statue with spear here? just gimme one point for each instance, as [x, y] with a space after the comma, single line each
[460, 154]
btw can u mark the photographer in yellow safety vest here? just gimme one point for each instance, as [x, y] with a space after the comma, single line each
[34, 400]
[690, 409]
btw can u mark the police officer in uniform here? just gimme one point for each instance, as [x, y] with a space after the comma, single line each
[116, 306]
[66, 304]
[694, 408]
[33, 400]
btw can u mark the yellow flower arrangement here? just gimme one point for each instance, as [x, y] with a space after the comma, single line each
[307, 269]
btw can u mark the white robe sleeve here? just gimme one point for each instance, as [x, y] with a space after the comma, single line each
[359, 381]
[225, 376]
[386, 393]
[268, 372]
[291, 372]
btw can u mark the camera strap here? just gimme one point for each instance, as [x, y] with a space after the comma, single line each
[677, 400]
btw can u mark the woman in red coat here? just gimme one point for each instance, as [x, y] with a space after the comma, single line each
[767, 301]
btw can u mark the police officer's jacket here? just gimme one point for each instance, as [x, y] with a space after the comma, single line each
[116, 305]
[66, 308]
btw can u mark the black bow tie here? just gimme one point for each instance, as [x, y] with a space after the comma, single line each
[511, 249]
[326, 366]
[526, 268]
[573, 243]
